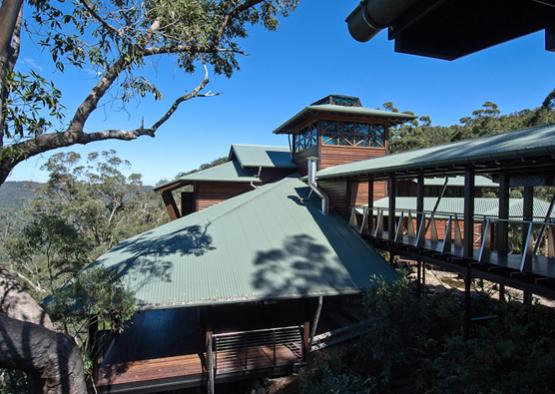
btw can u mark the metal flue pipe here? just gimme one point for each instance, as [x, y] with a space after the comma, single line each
[312, 163]
[371, 16]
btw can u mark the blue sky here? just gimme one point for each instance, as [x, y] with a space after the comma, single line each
[309, 56]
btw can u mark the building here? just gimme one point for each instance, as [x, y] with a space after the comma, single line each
[246, 280]
[250, 270]
[336, 129]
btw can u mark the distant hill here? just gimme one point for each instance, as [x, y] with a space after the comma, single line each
[15, 195]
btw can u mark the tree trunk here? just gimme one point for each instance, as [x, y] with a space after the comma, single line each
[28, 342]
[16, 303]
[47, 356]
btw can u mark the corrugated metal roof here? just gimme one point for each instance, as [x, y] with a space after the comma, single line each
[482, 206]
[539, 140]
[265, 244]
[229, 171]
[263, 156]
[396, 117]
[479, 181]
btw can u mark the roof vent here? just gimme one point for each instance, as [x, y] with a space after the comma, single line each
[338, 99]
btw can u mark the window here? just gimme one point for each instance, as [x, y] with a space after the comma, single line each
[306, 138]
[352, 134]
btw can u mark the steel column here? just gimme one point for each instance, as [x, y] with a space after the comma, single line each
[392, 193]
[502, 230]
[468, 241]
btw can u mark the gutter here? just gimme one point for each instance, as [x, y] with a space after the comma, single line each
[371, 16]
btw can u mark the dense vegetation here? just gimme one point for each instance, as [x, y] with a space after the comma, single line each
[482, 122]
[86, 207]
[417, 346]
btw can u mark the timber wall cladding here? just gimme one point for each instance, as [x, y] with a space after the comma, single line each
[332, 155]
[210, 193]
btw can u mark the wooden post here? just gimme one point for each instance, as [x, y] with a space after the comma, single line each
[210, 362]
[92, 346]
[306, 340]
[391, 192]
[502, 293]
[527, 215]
[468, 241]
[467, 303]
[370, 205]
[418, 278]
[527, 209]
[170, 204]
[419, 199]
[502, 230]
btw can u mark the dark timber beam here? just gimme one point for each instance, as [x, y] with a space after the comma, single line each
[468, 242]
[370, 204]
[419, 198]
[392, 193]
[527, 215]
[550, 39]
[502, 230]
[170, 204]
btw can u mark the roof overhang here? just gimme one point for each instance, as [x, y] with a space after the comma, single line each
[528, 152]
[355, 114]
[449, 29]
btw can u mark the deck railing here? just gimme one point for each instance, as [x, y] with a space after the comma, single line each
[247, 351]
[443, 232]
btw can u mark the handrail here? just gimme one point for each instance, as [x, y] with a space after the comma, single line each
[476, 216]
[533, 232]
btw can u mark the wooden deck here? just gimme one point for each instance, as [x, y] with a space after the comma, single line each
[190, 371]
[148, 370]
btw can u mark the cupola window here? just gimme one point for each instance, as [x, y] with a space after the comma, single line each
[352, 134]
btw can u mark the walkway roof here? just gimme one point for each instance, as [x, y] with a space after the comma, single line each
[331, 109]
[262, 156]
[516, 145]
[265, 244]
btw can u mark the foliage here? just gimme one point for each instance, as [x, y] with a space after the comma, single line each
[484, 121]
[115, 39]
[417, 346]
[84, 209]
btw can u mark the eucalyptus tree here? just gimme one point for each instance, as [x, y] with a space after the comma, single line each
[117, 39]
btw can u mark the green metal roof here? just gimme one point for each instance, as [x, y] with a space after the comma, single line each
[458, 181]
[262, 156]
[229, 171]
[455, 205]
[396, 117]
[265, 244]
[533, 141]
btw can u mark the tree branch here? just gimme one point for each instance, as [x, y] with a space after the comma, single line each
[192, 94]
[100, 19]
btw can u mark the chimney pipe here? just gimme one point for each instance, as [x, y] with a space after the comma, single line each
[312, 163]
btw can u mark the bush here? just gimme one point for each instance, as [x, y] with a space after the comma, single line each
[417, 346]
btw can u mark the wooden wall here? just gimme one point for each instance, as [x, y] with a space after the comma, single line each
[332, 155]
[210, 193]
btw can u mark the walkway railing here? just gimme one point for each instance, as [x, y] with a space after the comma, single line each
[528, 246]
